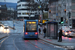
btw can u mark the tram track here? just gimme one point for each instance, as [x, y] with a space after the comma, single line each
[35, 45]
[45, 43]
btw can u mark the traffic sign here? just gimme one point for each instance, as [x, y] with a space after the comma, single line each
[13, 24]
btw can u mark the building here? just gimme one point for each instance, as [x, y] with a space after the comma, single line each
[11, 13]
[73, 13]
[53, 10]
[7, 13]
[65, 9]
[3, 10]
[25, 9]
[61, 9]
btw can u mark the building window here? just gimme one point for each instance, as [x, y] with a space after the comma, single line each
[19, 13]
[18, 5]
[25, 4]
[23, 13]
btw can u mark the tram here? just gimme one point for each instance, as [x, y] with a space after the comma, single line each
[30, 29]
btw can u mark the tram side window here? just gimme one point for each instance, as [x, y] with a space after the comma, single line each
[31, 27]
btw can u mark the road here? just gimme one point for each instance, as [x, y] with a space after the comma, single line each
[16, 42]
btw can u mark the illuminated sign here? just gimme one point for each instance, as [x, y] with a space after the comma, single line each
[44, 21]
[31, 22]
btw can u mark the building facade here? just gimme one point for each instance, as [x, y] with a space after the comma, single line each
[61, 9]
[3, 12]
[25, 9]
[73, 13]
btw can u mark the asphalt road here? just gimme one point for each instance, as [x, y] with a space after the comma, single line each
[16, 42]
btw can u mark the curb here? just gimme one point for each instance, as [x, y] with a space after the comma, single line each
[3, 37]
[12, 28]
[60, 46]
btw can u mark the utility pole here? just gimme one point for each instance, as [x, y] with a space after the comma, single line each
[69, 14]
[56, 11]
[42, 13]
[30, 9]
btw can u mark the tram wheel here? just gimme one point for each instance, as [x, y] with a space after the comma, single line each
[37, 38]
[24, 38]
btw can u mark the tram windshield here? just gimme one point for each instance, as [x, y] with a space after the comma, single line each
[31, 27]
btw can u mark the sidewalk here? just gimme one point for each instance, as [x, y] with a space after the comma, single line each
[63, 44]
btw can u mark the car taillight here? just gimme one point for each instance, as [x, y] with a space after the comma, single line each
[69, 32]
[26, 33]
[36, 33]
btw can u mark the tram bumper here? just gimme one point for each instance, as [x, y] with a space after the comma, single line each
[31, 36]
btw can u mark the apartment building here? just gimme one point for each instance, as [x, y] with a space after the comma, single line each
[25, 9]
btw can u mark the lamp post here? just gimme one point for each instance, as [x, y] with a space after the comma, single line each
[69, 14]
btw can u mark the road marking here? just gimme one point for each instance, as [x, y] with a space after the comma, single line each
[3, 41]
[15, 44]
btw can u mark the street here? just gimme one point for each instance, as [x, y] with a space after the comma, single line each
[16, 42]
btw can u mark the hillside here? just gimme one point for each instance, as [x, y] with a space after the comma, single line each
[12, 5]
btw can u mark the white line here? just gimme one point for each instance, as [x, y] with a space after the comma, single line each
[15, 44]
[2, 41]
